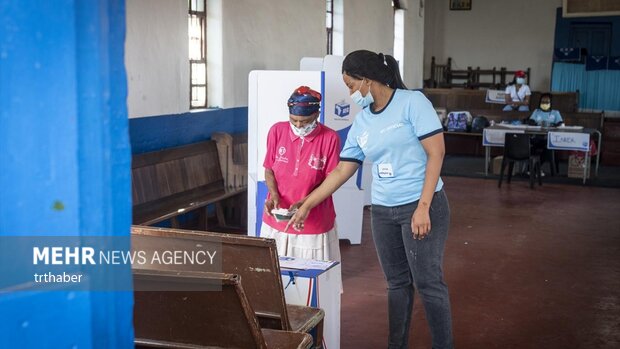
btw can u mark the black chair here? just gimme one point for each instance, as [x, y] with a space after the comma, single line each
[517, 149]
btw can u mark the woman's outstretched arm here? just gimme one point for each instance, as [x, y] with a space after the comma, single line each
[334, 180]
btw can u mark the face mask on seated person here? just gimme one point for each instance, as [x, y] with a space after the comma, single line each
[520, 81]
[545, 106]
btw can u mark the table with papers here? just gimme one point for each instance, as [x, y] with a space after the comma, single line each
[558, 138]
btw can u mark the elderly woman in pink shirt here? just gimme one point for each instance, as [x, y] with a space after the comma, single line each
[301, 153]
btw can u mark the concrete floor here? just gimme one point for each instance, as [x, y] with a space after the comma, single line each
[526, 269]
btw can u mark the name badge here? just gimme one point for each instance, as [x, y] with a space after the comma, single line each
[385, 171]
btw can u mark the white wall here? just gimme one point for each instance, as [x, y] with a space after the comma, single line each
[156, 57]
[500, 33]
[259, 34]
[246, 35]
[368, 25]
[414, 45]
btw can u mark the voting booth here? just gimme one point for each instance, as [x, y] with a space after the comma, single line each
[268, 93]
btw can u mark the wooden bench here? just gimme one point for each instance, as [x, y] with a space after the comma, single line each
[233, 155]
[470, 100]
[190, 318]
[174, 181]
[443, 75]
[254, 259]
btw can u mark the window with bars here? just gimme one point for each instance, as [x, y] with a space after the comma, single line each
[329, 25]
[197, 30]
[399, 34]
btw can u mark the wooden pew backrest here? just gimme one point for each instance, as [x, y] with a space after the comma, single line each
[233, 154]
[209, 318]
[254, 259]
[173, 181]
[460, 99]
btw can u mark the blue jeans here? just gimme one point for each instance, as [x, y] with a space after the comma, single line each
[409, 263]
[521, 108]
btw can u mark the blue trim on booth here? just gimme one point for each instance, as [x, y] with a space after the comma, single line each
[322, 117]
[165, 131]
[261, 196]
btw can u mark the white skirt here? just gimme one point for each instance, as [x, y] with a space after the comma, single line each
[308, 246]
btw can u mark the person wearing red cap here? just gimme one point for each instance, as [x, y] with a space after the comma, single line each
[301, 153]
[518, 94]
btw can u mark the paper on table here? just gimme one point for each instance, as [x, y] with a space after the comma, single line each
[570, 127]
[520, 127]
[517, 127]
[304, 264]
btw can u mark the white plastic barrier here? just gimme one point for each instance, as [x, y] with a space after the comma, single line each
[268, 93]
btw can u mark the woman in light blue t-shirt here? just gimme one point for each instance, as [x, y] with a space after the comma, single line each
[398, 130]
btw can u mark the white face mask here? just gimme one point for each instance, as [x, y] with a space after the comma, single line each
[545, 106]
[520, 81]
[304, 130]
[362, 101]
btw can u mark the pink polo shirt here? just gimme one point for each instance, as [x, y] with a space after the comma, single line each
[300, 165]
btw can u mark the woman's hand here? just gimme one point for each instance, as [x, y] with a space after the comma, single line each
[297, 205]
[297, 221]
[420, 223]
[272, 203]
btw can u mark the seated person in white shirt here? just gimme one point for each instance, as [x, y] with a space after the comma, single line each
[545, 116]
[518, 94]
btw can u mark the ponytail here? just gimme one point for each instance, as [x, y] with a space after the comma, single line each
[379, 67]
[397, 81]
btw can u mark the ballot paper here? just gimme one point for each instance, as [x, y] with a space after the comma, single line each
[304, 264]
[282, 214]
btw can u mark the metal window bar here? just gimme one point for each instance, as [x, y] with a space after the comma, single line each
[329, 25]
[197, 28]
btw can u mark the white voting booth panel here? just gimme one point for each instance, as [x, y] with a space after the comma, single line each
[339, 113]
[268, 93]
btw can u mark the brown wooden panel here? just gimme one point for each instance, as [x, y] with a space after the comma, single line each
[290, 340]
[170, 154]
[210, 318]
[462, 99]
[161, 174]
[612, 129]
[255, 259]
[592, 6]
[169, 206]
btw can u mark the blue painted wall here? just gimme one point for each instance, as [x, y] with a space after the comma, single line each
[65, 159]
[165, 131]
[562, 29]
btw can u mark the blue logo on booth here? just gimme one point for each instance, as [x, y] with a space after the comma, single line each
[342, 109]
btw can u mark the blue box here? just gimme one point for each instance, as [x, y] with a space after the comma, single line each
[342, 109]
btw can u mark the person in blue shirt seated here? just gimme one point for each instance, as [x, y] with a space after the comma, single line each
[545, 116]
